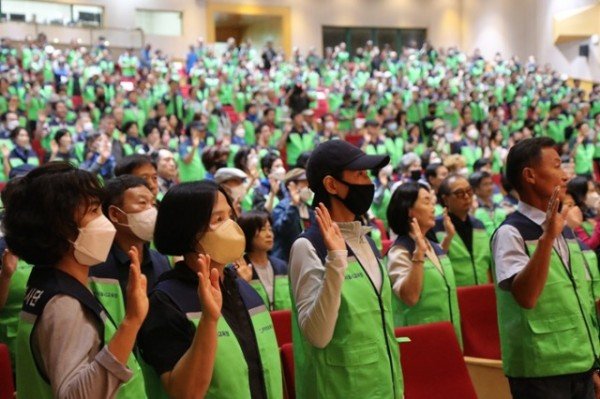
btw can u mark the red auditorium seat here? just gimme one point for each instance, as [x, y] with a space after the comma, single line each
[287, 361]
[386, 243]
[282, 322]
[354, 139]
[7, 389]
[479, 321]
[432, 363]
[233, 116]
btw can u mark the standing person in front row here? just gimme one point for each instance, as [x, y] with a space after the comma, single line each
[549, 340]
[421, 273]
[469, 248]
[197, 348]
[343, 328]
[67, 346]
[130, 206]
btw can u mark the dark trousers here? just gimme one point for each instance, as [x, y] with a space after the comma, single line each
[569, 386]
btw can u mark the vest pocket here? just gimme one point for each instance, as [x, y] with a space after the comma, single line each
[347, 356]
[551, 337]
[351, 369]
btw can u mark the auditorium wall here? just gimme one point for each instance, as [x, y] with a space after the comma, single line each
[523, 28]
[520, 27]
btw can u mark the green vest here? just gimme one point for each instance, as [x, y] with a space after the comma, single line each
[584, 157]
[230, 372]
[362, 359]
[438, 300]
[593, 274]
[469, 268]
[471, 155]
[14, 302]
[43, 284]
[297, 144]
[108, 292]
[491, 219]
[558, 336]
[32, 159]
[281, 292]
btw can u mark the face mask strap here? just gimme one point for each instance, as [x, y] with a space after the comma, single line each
[124, 213]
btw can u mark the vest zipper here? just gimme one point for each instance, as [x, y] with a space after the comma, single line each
[387, 344]
[587, 328]
[472, 260]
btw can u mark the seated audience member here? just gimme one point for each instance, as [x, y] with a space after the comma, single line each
[490, 213]
[141, 166]
[22, 153]
[269, 191]
[292, 214]
[166, 168]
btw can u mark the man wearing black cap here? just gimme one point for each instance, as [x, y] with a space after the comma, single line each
[344, 345]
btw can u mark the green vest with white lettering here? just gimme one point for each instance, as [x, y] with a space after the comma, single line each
[558, 336]
[281, 286]
[230, 373]
[44, 283]
[362, 359]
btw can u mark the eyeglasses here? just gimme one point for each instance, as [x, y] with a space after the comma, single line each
[463, 193]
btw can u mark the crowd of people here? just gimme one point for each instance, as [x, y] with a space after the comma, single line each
[357, 190]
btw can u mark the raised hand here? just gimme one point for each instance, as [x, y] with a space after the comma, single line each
[137, 297]
[5, 151]
[294, 193]
[555, 221]
[334, 241]
[9, 263]
[243, 268]
[274, 183]
[448, 225]
[209, 290]
[53, 147]
[418, 236]
[574, 217]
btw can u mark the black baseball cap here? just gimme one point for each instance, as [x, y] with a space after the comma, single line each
[334, 156]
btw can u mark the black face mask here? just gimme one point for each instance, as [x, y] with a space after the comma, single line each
[415, 175]
[359, 198]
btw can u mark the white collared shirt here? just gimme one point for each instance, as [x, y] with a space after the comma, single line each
[508, 247]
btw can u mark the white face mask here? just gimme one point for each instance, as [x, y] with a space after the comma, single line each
[237, 192]
[88, 126]
[464, 172]
[591, 200]
[241, 133]
[473, 134]
[306, 195]
[278, 173]
[224, 244]
[142, 223]
[94, 241]
[10, 125]
[388, 170]
[329, 125]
